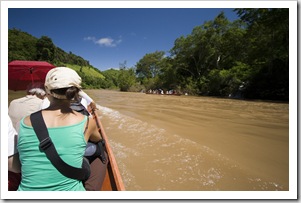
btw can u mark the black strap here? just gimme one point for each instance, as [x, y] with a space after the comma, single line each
[48, 147]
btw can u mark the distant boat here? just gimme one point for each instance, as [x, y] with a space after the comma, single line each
[176, 94]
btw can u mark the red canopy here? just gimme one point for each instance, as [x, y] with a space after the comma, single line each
[22, 73]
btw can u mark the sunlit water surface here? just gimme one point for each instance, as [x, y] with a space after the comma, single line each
[196, 143]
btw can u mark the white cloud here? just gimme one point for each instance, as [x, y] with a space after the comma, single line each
[107, 41]
[89, 38]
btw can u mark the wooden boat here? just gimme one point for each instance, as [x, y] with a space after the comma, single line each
[113, 180]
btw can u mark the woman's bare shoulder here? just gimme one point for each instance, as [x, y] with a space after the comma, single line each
[57, 119]
[27, 121]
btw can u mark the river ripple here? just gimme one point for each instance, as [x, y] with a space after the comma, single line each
[191, 143]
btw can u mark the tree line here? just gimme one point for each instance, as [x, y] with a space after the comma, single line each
[247, 58]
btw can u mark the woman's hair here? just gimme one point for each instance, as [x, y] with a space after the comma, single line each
[36, 88]
[69, 92]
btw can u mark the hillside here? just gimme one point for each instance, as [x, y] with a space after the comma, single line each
[91, 77]
[23, 46]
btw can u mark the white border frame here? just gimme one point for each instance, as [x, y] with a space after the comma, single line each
[291, 194]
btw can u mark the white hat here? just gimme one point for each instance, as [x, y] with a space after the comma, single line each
[62, 77]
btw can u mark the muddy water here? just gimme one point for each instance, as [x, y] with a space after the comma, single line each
[196, 143]
[189, 143]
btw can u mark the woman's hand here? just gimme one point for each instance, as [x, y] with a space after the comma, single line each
[92, 106]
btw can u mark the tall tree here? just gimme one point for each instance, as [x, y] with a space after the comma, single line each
[111, 78]
[45, 49]
[150, 65]
[126, 79]
[267, 32]
[203, 51]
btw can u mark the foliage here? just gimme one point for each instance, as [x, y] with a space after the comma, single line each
[126, 78]
[23, 46]
[111, 78]
[91, 77]
[246, 57]
[45, 49]
[268, 55]
[149, 66]
[151, 70]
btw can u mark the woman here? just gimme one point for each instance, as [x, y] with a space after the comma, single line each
[69, 131]
[18, 108]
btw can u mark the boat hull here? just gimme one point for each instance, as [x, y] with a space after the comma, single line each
[113, 180]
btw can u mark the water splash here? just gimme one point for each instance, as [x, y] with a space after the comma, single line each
[150, 158]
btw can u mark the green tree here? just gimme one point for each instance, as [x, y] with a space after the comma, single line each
[268, 55]
[149, 69]
[150, 65]
[126, 79]
[168, 77]
[111, 78]
[45, 49]
[21, 45]
[204, 50]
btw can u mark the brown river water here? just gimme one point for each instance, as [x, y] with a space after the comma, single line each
[187, 143]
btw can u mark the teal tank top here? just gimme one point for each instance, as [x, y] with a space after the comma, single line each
[38, 174]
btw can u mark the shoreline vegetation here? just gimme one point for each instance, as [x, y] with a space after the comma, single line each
[245, 59]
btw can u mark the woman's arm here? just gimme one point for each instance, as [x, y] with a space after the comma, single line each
[91, 104]
[85, 96]
[92, 134]
[14, 164]
[13, 155]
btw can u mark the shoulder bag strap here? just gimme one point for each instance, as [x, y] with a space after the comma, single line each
[48, 147]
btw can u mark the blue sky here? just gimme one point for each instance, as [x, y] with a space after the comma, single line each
[107, 37]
